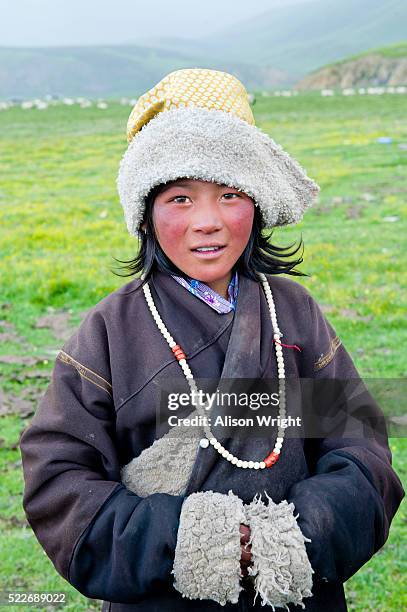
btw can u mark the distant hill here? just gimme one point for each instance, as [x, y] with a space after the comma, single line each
[386, 66]
[108, 71]
[275, 49]
[300, 38]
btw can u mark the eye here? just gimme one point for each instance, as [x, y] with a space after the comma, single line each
[181, 197]
[231, 194]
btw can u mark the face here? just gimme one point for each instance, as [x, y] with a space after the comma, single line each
[203, 228]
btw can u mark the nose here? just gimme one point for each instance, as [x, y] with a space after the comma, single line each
[207, 217]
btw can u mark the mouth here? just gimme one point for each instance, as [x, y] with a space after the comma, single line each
[209, 251]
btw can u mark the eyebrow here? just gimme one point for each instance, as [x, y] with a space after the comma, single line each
[187, 186]
[169, 185]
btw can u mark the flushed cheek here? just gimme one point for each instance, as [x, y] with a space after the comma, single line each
[173, 231]
[170, 228]
[240, 224]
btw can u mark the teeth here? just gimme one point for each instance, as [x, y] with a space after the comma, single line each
[208, 249]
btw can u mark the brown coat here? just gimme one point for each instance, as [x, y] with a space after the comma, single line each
[99, 412]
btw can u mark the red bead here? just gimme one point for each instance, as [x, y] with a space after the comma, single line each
[176, 348]
[271, 459]
[180, 356]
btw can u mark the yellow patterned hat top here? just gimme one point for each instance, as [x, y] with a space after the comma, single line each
[200, 87]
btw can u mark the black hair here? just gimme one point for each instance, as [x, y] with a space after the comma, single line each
[260, 254]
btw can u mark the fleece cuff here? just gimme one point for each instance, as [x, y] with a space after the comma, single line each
[165, 466]
[207, 555]
[281, 569]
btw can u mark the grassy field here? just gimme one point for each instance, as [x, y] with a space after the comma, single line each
[61, 225]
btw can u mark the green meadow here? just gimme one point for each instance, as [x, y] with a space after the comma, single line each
[61, 229]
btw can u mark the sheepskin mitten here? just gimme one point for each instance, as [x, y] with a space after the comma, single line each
[281, 569]
[207, 555]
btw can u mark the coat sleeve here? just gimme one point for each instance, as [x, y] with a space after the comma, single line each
[105, 540]
[345, 508]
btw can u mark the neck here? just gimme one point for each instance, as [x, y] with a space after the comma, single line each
[221, 285]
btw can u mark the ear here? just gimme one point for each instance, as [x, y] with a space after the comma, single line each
[144, 227]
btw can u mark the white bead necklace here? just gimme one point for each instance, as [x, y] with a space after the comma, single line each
[181, 358]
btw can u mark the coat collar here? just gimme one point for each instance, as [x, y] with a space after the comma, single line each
[246, 357]
[191, 322]
[251, 337]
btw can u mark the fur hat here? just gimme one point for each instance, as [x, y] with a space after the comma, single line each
[197, 123]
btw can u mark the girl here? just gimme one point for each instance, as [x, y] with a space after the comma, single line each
[188, 519]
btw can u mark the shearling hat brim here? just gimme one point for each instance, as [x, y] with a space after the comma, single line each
[213, 145]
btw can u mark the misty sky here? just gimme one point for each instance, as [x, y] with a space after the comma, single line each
[89, 22]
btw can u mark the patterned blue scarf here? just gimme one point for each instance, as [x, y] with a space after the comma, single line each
[209, 296]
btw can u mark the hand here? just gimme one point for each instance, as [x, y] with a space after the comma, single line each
[246, 558]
